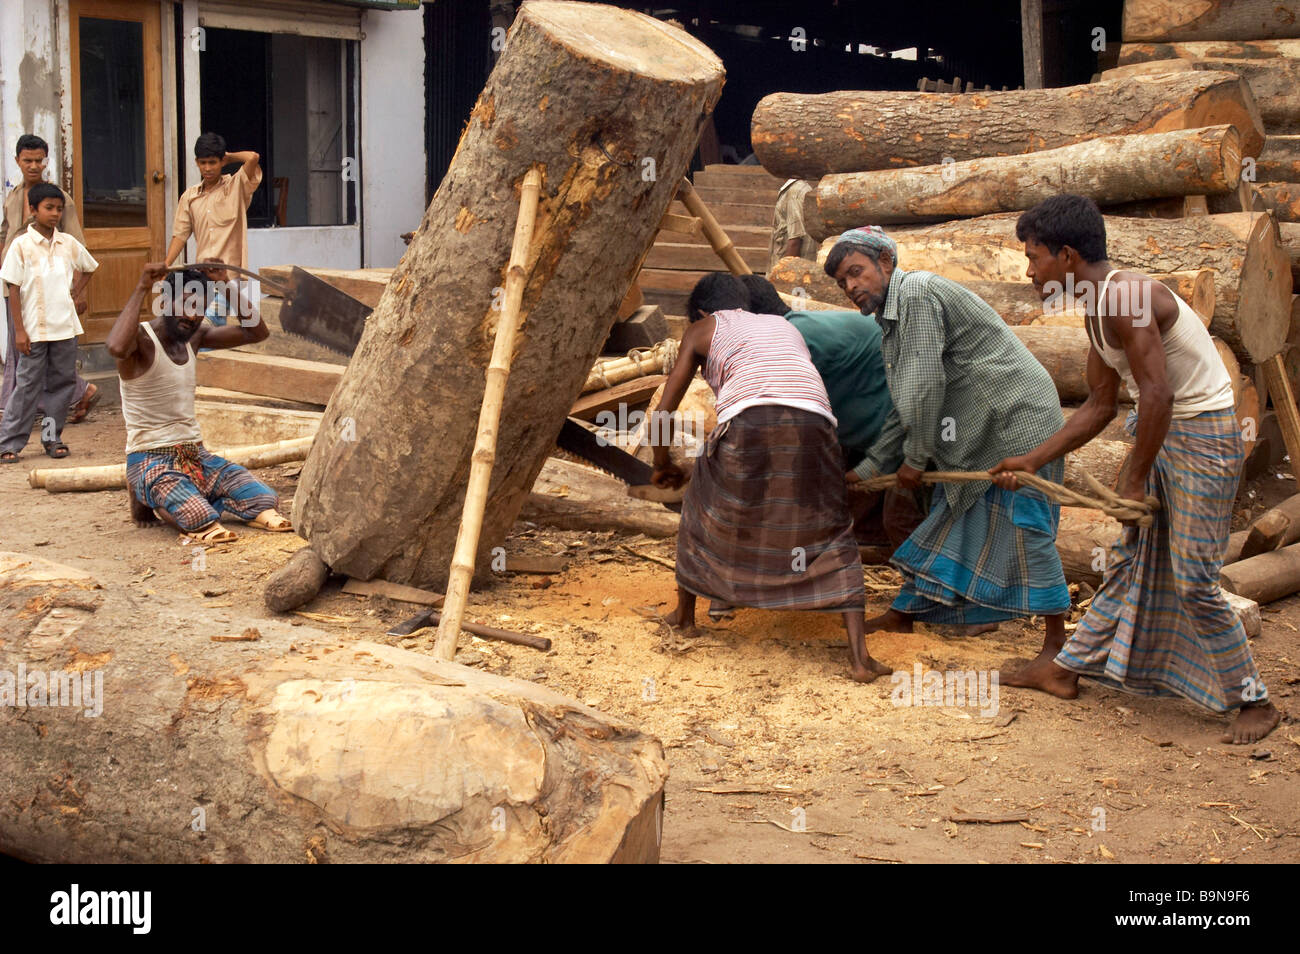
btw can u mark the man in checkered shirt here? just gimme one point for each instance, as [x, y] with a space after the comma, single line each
[966, 395]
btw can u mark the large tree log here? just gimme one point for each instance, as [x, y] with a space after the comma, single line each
[1276, 527]
[1215, 49]
[573, 497]
[1160, 21]
[1110, 169]
[1266, 577]
[1253, 283]
[1290, 234]
[589, 93]
[1282, 198]
[1082, 539]
[300, 748]
[1273, 82]
[807, 136]
[1280, 160]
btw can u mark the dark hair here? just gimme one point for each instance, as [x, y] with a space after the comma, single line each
[209, 145]
[716, 291]
[842, 250]
[178, 282]
[29, 141]
[763, 296]
[1062, 220]
[44, 190]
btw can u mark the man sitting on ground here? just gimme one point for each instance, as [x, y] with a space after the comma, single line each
[170, 474]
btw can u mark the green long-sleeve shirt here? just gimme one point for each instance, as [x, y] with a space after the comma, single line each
[845, 348]
[966, 392]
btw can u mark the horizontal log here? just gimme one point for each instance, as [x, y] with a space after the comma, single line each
[1083, 539]
[1109, 169]
[569, 496]
[808, 136]
[1279, 526]
[1170, 207]
[1273, 82]
[1280, 159]
[1200, 49]
[1266, 577]
[1160, 21]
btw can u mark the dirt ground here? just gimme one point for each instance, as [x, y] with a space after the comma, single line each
[775, 754]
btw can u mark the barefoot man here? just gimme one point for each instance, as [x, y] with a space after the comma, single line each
[765, 521]
[966, 394]
[170, 474]
[1159, 625]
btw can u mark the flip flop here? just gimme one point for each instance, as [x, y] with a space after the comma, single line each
[9, 457]
[272, 521]
[212, 533]
[56, 449]
[82, 408]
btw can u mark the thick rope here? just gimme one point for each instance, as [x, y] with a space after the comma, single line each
[1106, 500]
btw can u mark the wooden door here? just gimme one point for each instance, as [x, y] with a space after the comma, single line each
[117, 147]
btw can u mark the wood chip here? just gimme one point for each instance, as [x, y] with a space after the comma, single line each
[249, 635]
[892, 861]
[324, 617]
[970, 818]
[542, 565]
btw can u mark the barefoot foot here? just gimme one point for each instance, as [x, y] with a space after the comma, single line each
[891, 621]
[869, 671]
[1045, 676]
[1252, 724]
[677, 623]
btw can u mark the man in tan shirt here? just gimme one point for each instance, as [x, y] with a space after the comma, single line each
[215, 212]
[32, 154]
[789, 236]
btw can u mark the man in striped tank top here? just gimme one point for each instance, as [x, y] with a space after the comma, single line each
[1159, 624]
[170, 475]
[765, 520]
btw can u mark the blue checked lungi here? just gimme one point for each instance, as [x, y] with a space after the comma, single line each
[997, 561]
[195, 486]
[1159, 624]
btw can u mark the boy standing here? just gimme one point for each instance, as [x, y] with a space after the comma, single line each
[31, 154]
[215, 212]
[45, 271]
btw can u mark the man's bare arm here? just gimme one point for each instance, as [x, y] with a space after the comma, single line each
[123, 339]
[234, 334]
[1140, 338]
[175, 248]
[690, 356]
[248, 159]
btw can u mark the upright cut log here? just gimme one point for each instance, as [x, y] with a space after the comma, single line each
[589, 93]
[1279, 161]
[1253, 283]
[296, 748]
[1200, 49]
[807, 136]
[1282, 198]
[1110, 169]
[1273, 82]
[1161, 21]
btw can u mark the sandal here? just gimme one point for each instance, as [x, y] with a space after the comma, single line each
[82, 407]
[56, 449]
[212, 533]
[9, 457]
[272, 521]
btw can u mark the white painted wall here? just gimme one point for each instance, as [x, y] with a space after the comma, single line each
[393, 164]
[317, 246]
[29, 55]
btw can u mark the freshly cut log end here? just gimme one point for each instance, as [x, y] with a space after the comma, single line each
[1111, 169]
[807, 136]
[1273, 83]
[587, 92]
[1162, 21]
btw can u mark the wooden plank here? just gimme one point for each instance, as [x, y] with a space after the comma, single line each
[1288, 416]
[291, 379]
[363, 284]
[729, 214]
[749, 236]
[636, 391]
[394, 591]
[541, 565]
[740, 195]
[683, 256]
[1031, 42]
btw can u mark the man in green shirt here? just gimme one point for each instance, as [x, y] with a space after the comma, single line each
[965, 392]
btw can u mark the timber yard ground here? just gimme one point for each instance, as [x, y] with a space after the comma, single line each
[765, 734]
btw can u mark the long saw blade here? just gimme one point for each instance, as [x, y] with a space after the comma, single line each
[592, 449]
[316, 310]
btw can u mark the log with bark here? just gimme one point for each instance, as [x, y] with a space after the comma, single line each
[571, 496]
[1163, 21]
[1083, 538]
[1290, 234]
[1280, 160]
[1273, 82]
[1252, 285]
[807, 136]
[588, 92]
[1171, 207]
[1274, 528]
[296, 748]
[1201, 49]
[1110, 169]
[1266, 577]
[1282, 198]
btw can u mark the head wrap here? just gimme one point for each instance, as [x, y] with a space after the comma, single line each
[872, 236]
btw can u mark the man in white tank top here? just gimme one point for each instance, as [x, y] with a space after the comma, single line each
[1159, 624]
[170, 474]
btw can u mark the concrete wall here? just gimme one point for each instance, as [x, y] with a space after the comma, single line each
[393, 162]
[30, 82]
[319, 246]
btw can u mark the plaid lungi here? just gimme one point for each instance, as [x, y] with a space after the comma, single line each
[196, 486]
[996, 561]
[765, 520]
[1159, 624]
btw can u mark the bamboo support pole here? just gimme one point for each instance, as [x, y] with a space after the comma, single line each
[717, 236]
[494, 391]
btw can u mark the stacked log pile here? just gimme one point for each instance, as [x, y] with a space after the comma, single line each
[1182, 158]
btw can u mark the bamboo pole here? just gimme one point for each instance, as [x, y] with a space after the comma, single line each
[485, 445]
[717, 236]
[57, 480]
[607, 373]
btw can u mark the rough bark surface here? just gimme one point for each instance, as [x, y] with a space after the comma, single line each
[1279, 161]
[1109, 170]
[1273, 81]
[1252, 288]
[1082, 540]
[1157, 21]
[807, 136]
[589, 93]
[294, 747]
[1282, 198]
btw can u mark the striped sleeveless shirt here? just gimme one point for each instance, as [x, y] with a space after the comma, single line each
[762, 359]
